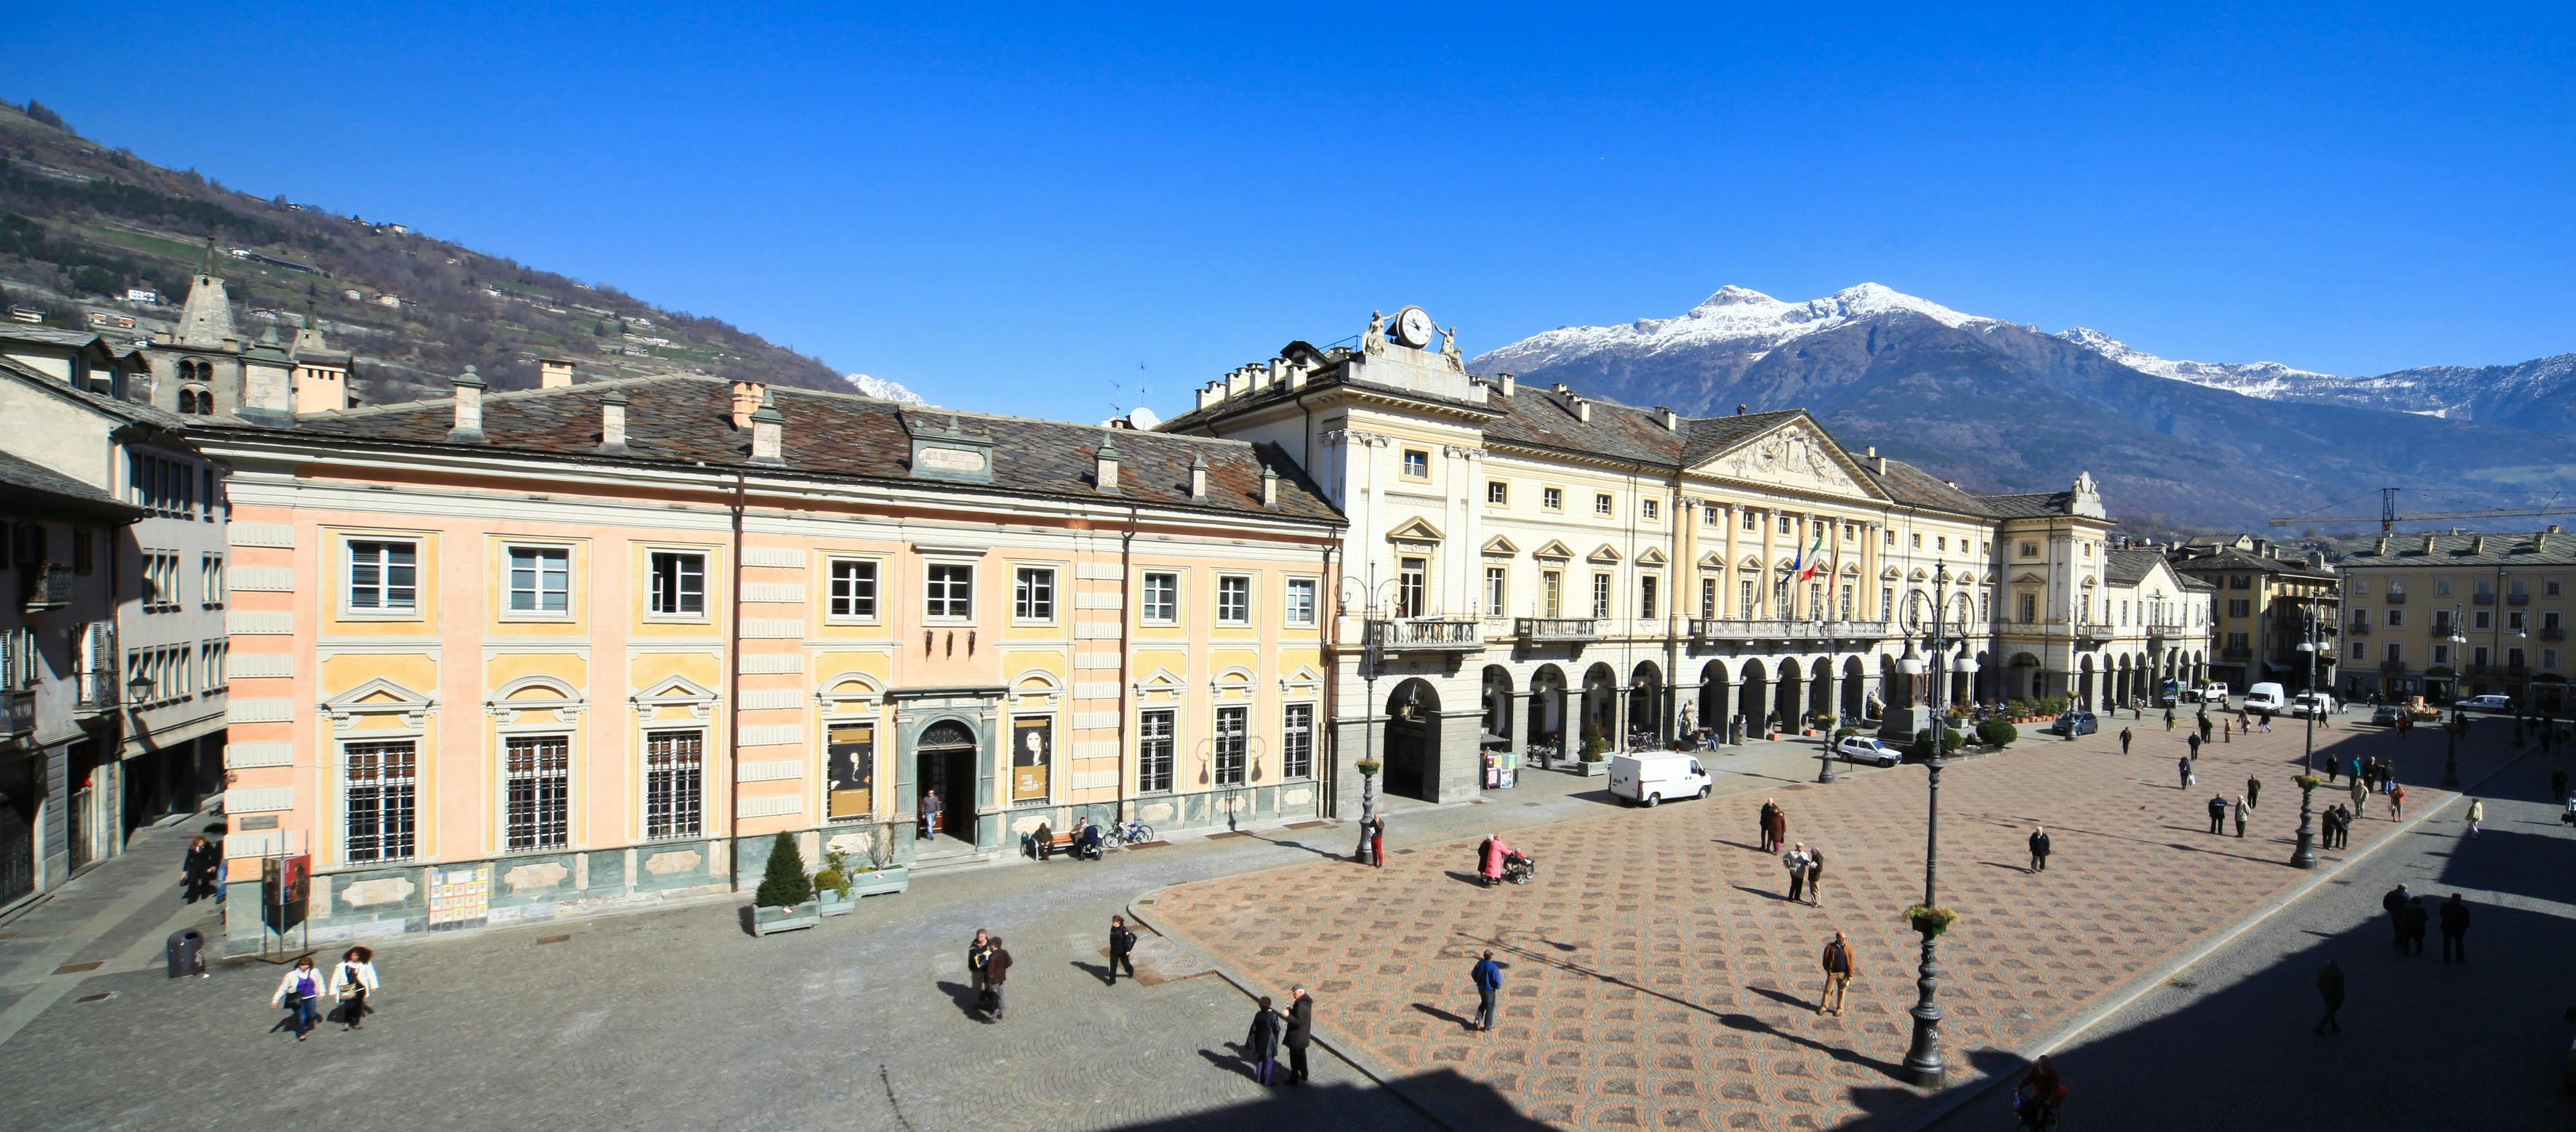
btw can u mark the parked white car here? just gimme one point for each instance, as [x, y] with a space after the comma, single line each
[1866, 749]
[2487, 703]
[1647, 780]
[2306, 704]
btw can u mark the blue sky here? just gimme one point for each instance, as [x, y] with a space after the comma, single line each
[1011, 208]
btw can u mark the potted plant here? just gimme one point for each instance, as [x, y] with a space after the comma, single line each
[1930, 919]
[1595, 761]
[832, 885]
[785, 900]
[882, 874]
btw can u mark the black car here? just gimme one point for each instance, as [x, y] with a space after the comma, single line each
[2075, 722]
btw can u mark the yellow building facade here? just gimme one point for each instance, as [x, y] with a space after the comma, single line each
[535, 654]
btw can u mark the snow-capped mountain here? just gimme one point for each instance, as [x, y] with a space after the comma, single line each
[882, 390]
[2253, 379]
[2004, 406]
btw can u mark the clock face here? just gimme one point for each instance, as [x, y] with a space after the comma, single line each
[1413, 327]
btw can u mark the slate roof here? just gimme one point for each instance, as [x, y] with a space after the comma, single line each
[2030, 505]
[688, 420]
[2508, 550]
[1913, 486]
[33, 489]
[21, 332]
[2130, 566]
[129, 411]
[2232, 560]
[1544, 418]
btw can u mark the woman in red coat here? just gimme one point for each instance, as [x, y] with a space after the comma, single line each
[1492, 866]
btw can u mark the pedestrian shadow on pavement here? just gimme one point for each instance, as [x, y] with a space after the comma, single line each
[1898, 1107]
[1782, 997]
[1098, 971]
[1440, 1014]
[1287, 844]
[2540, 864]
[1463, 1102]
[1764, 893]
[1476, 879]
[963, 995]
[1237, 1060]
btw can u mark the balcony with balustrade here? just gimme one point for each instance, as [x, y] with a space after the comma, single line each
[1433, 633]
[1556, 630]
[1726, 631]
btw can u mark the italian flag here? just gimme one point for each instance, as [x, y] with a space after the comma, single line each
[1812, 558]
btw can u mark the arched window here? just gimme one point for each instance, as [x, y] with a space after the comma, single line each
[187, 402]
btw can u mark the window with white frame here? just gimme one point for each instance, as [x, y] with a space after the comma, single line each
[1603, 505]
[1497, 587]
[1412, 586]
[1496, 491]
[1709, 515]
[674, 783]
[378, 785]
[540, 579]
[1752, 520]
[1233, 740]
[1233, 600]
[1708, 599]
[538, 773]
[1650, 509]
[1417, 464]
[1647, 594]
[1154, 751]
[1300, 601]
[1551, 499]
[1551, 593]
[1747, 597]
[1601, 595]
[214, 658]
[677, 585]
[1162, 602]
[210, 580]
[1297, 740]
[1033, 594]
[854, 590]
[1788, 524]
[384, 577]
[948, 592]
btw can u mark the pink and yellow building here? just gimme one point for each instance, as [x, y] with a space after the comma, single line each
[512, 656]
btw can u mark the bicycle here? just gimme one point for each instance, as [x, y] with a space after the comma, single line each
[1120, 835]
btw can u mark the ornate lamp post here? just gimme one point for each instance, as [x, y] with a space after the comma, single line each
[1923, 1064]
[2305, 856]
[1372, 656]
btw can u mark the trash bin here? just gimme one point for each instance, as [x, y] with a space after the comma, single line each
[187, 953]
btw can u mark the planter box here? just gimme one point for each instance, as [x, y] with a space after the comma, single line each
[893, 879]
[770, 921]
[831, 905]
[1774, 736]
[1932, 927]
[1592, 768]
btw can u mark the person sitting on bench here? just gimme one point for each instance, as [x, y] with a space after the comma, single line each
[1086, 840]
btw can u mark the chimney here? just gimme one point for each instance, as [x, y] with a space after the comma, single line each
[2380, 547]
[1583, 410]
[612, 423]
[2428, 544]
[747, 397]
[1211, 393]
[1297, 374]
[1881, 460]
[767, 425]
[1508, 385]
[1871, 452]
[2540, 542]
[1739, 410]
[1672, 420]
[1561, 387]
[1104, 465]
[469, 409]
[1238, 381]
[1198, 475]
[553, 373]
[1269, 486]
[2477, 544]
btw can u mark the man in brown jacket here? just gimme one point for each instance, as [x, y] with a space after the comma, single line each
[1839, 969]
[997, 970]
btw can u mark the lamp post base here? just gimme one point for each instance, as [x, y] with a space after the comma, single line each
[2305, 856]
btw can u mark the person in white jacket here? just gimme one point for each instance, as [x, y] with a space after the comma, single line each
[354, 981]
[300, 991]
[2477, 814]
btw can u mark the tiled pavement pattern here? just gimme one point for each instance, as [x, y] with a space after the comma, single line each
[1657, 978]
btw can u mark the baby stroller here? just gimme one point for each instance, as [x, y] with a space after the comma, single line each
[1519, 867]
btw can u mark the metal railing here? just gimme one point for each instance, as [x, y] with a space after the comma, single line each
[94, 691]
[47, 587]
[18, 712]
[1782, 629]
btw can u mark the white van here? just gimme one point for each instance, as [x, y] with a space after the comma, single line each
[2264, 699]
[1649, 779]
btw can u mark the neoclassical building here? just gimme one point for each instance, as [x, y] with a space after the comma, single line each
[532, 654]
[1526, 565]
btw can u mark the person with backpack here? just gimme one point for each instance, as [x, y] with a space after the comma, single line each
[1488, 977]
[1122, 944]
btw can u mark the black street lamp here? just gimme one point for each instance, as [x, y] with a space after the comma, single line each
[2450, 728]
[2305, 856]
[1372, 656]
[1923, 1064]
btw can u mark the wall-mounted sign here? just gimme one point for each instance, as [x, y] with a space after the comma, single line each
[849, 771]
[1032, 756]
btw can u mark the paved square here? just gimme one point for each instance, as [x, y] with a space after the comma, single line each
[1658, 977]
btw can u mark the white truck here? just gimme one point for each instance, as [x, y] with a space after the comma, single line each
[1647, 780]
[2265, 699]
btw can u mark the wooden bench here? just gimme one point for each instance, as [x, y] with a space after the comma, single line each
[1056, 843]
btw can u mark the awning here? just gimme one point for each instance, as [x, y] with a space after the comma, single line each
[1493, 740]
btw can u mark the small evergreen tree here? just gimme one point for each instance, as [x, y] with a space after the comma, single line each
[785, 885]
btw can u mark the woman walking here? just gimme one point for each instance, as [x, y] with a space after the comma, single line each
[354, 981]
[197, 871]
[1816, 876]
[2477, 813]
[298, 992]
[1261, 1046]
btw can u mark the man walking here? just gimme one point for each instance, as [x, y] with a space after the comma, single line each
[2360, 796]
[2391, 904]
[2396, 801]
[1301, 1028]
[2194, 741]
[2253, 792]
[2557, 786]
[1775, 827]
[929, 814]
[2124, 740]
[2330, 988]
[2204, 727]
[2169, 719]
[1488, 977]
[1122, 944]
[2242, 809]
[1796, 861]
[2039, 849]
[997, 970]
[2218, 813]
[2184, 767]
[1816, 877]
[1839, 969]
[2416, 920]
[2477, 813]
[2455, 929]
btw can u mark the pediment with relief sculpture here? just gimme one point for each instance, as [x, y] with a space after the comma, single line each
[1797, 454]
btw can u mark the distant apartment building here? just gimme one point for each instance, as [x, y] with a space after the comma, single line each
[2270, 602]
[2450, 615]
[507, 656]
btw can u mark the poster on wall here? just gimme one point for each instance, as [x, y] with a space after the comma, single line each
[459, 898]
[849, 771]
[1032, 753]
